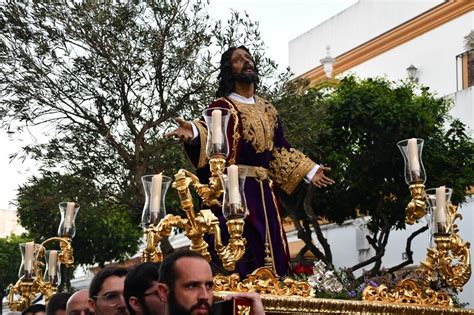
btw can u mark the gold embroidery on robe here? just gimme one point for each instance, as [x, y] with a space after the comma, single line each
[289, 167]
[203, 142]
[236, 134]
[258, 121]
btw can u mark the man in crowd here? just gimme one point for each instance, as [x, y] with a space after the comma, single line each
[141, 290]
[35, 309]
[106, 292]
[57, 304]
[187, 289]
[78, 303]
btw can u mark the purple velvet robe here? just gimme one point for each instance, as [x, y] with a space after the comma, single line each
[244, 152]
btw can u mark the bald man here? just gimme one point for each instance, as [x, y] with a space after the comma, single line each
[77, 303]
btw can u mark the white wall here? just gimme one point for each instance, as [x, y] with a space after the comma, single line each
[433, 53]
[464, 109]
[9, 223]
[350, 28]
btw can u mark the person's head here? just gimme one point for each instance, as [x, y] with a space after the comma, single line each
[237, 65]
[106, 292]
[77, 303]
[35, 309]
[57, 304]
[141, 290]
[188, 283]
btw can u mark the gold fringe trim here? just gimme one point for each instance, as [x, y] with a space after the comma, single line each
[203, 140]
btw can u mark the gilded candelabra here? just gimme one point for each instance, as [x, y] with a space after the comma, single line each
[224, 190]
[415, 177]
[448, 258]
[36, 277]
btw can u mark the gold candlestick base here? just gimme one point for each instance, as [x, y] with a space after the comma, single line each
[205, 222]
[416, 208]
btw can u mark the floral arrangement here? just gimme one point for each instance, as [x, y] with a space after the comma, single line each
[341, 283]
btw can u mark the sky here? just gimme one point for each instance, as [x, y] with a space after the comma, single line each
[280, 21]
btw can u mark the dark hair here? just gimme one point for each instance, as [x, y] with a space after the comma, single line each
[99, 278]
[167, 270]
[57, 302]
[35, 308]
[138, 280]
[226, 79]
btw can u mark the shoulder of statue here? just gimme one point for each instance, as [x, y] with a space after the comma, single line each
[224, 102]
[268, 106]
[221, 102]
[262, 100]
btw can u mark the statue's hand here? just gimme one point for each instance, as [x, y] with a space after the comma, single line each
[184, 132]
[320, 179]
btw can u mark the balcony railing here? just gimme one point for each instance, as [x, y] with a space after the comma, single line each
[465, 70]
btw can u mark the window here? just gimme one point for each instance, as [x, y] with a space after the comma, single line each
[465, 69]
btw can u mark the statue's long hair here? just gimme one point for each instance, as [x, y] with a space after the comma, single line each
[226, 80]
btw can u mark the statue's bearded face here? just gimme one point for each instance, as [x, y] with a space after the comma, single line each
[243, 67]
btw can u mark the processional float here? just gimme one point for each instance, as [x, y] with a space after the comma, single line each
[448, 258]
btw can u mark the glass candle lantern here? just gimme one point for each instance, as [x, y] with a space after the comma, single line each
[67, 227]
[439, 199]
[235, 204]
[52, 273]
[217, 119]
[156, 186]
[412, 151]
[29, 252]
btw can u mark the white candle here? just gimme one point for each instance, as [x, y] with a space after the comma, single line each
[233, 174]
[53, 259]
[69, 216]
[29, 252]
[156, 194]
[216, 126]
[440, 214]
[413, 162]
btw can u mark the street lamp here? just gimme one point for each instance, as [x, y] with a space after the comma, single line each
[328, 62]
[412, 72]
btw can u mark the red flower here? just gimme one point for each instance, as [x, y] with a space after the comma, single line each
[308, 269]
[298, 268]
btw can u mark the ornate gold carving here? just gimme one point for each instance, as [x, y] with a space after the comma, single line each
[451, 258]
[274, 304]
[297, 297]
[23, 293]
[407, 291]
[258, 123]
[416, 208]
[263, 281]
[450, 261]
[243, 310]
[289, 167]
[205, 222]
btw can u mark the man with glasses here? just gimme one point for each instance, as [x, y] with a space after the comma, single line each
[106, 292]
[77, 303]
[141, 290]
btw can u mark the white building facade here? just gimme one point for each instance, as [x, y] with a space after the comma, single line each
[383, 38]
